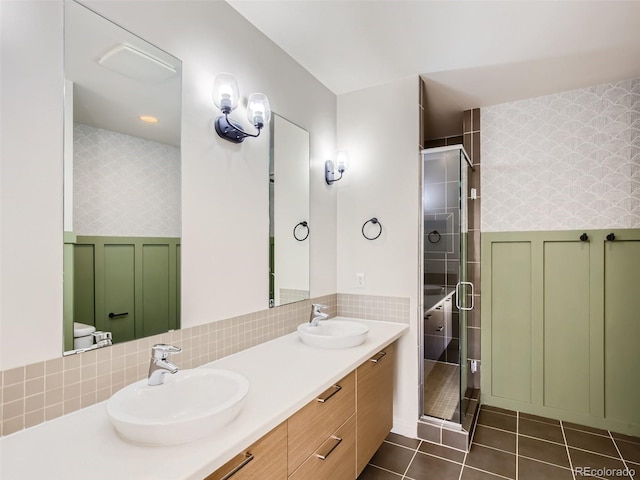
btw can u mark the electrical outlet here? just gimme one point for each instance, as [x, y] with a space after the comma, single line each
[359, 280]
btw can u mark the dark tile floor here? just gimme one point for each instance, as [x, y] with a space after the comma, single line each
[515, 446]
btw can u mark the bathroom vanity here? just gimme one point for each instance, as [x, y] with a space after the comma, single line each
[294, 414]
[322, 439]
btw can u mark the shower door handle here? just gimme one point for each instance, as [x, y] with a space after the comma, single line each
[458, 303]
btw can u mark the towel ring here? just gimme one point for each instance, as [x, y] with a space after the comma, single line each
[304, 225]
[434, 236]
[374, 221]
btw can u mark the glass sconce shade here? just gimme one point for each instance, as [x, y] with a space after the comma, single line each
[333, 173]
[226, 92]
[342, 160]
[258, 110]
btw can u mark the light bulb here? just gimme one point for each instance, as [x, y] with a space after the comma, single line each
[342, 160]
[258, 110]
[226, 92]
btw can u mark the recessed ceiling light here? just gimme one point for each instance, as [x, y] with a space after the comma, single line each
[148, 119]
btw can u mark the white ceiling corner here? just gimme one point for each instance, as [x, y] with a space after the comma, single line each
[470, 53]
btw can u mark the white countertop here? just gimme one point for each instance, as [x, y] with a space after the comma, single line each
[284, 375]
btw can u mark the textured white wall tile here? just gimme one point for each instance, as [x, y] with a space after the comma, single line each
[562, 162]
[124, 186]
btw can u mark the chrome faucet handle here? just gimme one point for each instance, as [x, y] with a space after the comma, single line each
[160, 351]
[318, 306]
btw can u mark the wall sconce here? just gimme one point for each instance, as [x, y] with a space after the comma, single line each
[342, 163]
[225, 96]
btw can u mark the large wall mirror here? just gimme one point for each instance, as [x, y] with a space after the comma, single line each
[290, 230]
[122, 219]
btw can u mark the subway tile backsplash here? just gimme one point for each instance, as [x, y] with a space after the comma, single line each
[35, 393]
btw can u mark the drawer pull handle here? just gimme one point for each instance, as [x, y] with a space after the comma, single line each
[327, 394]
[327, 450]
[378, 357]
[248, 457]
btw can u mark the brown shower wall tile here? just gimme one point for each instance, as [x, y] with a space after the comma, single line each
[475, 120]
[46, 390]
[437, 142]
[466, 122]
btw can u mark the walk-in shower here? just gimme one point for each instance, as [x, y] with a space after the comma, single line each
[447, 295]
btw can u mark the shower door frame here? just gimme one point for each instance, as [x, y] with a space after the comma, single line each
[462, 278]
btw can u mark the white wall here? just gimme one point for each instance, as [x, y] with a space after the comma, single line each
[379, 127]
[225, 186]
[31, 182]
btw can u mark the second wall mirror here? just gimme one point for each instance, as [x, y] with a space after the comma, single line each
[290, 231]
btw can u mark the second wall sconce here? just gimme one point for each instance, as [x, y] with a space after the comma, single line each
[342, 163]
[226, 95]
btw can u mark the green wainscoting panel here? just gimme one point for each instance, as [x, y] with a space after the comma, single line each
[84, 285]
[511, 320]
[622, 330]
[119, 292]
[566, 325]
[570, 306]
[139, 276]
[155, 289]
[178, 275]
[67, 301]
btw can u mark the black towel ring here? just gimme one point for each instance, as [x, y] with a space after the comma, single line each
[434, 236]
[375, 221]
[301, 224]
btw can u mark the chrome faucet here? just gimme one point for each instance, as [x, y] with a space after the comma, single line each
[317, 315]
[159, 365]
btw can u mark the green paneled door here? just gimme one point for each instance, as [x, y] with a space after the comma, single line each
[511, 320]
[119, 292]
[622, 331]
[133, 275]
[566, 325]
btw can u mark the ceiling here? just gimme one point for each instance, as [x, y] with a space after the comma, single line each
[114, 99]
[470, 53]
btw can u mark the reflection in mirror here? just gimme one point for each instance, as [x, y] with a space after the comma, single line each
[290, 230]
[122, 184]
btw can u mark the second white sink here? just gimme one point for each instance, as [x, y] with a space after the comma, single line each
[190, 404]
[333, 334]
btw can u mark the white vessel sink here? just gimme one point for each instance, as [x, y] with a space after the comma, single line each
[333, 334]
[190, 404]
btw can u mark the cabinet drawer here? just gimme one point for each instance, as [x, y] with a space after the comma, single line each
[314, 423]
[374, 405]
[334, 458]
[382, 358]
[265, 459]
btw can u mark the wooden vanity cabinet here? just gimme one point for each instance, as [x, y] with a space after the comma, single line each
[374, 404]
[311, 426]
[266, 459]
[333, 437]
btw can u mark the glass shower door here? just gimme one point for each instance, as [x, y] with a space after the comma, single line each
[444, 282]
[464, 288]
